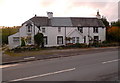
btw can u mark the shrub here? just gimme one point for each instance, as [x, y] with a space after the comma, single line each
[39, 39]
[22, 42]
[105, 42]
[77, 45]
[83, 45]
[95, 44]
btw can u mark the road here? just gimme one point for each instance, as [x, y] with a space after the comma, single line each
[87, 67]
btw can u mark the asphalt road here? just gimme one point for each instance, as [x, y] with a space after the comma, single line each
[101, 66]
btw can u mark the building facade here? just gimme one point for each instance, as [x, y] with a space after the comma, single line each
[59, 31]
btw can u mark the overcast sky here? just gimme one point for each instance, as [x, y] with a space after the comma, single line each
[15, 12]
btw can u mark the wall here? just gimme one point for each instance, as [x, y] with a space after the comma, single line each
[52, 33]
[10, 41]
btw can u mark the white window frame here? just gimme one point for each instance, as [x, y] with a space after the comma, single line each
[16, 39]
[59, 29]
[77, 39]
[73, 39]
[29, 29]
[43, 30]
[59, 40]
[80, 29]
[45, 40]
[96, 39]
[29, 40]
[95, 29]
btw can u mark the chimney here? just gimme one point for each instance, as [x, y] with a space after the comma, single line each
[35, 15]
[98, 15]
[50, 15]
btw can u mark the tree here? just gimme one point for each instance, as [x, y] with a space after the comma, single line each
[7, 31]
[114, 34]
[117, 23]
[105, 22]
[38, 38]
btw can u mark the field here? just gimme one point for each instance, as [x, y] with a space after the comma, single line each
[5, 32]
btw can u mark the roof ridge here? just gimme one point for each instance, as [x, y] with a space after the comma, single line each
[66, 21]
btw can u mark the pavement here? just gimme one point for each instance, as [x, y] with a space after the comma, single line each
[6, 59]
[88, 65]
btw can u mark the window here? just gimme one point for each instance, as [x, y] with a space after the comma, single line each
[96, 38]
[45, 40]
[15, 39]
[29, 40]
[80, 29]
[95, 29]
[77, 39]
[59, 39]
[84, 39]
[73, 39]
[59, 29]
[29, 28]
[43, 30]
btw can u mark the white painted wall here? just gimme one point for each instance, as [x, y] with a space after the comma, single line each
[10, 41]
[52, 33]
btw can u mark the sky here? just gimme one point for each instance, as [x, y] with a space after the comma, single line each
[16, 12]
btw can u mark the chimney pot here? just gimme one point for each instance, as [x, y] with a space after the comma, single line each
[50, 15]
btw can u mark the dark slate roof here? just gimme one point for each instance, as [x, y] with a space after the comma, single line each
[87, 22]
[38, 21]
[66, 21]
[61, 21]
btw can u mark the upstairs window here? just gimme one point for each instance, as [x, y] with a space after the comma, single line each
[80, 29]
[43, 30]
[59, 29]
[29, 28]
[95, 29]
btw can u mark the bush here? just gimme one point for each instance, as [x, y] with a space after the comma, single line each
[105, 42]
[77, 45]
[22, 42]
[83, 45]
[39, 39]
[95, 44]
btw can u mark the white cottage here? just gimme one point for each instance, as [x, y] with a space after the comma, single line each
[57, 29]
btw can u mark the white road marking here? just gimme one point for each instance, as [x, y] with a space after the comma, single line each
[110, 61]
[29, 58]
[4, 66]
[42, 75]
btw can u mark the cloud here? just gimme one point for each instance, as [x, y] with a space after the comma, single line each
[45, 3]
[119, 10]
[107, 9]
[15, 12]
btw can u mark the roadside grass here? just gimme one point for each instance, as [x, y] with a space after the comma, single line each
[44, 51]
[30, 53]
[41, 52]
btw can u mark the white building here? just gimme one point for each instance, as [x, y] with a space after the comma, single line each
[57, 29]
